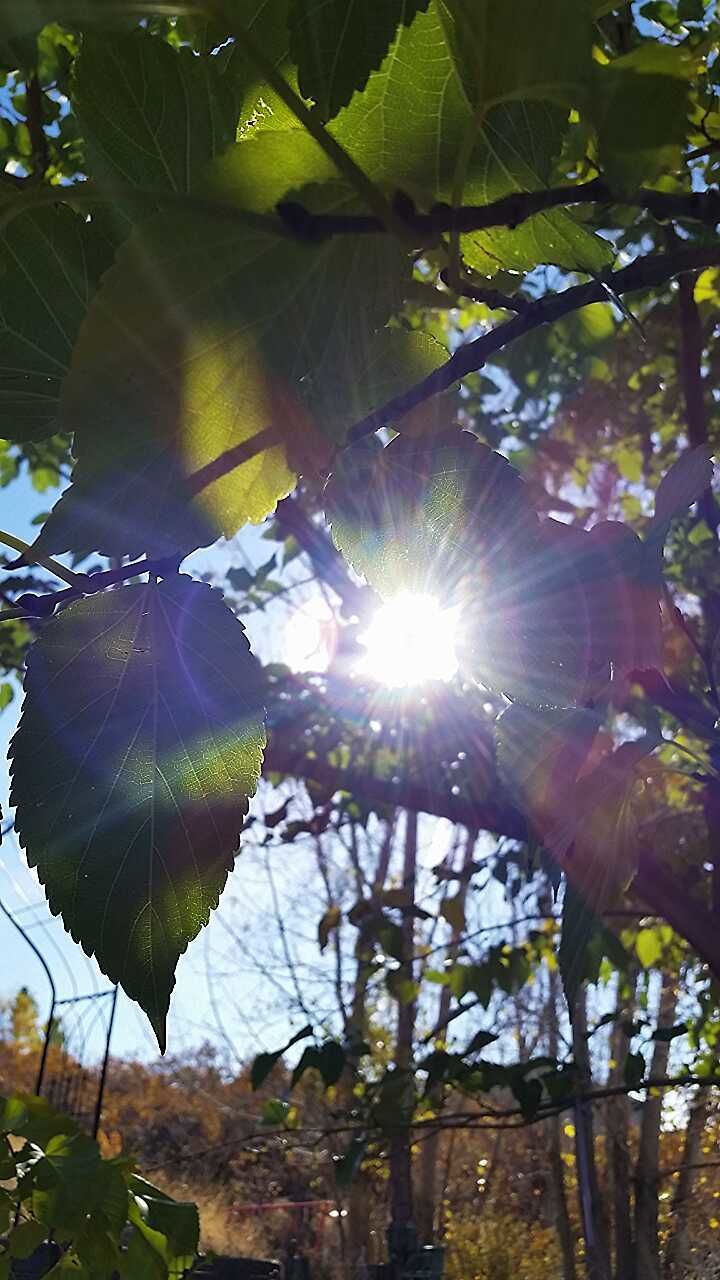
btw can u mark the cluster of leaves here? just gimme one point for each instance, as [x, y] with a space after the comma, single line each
[103, 1218]
[206, 278]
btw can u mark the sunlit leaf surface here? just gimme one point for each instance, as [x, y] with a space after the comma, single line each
[140, 742]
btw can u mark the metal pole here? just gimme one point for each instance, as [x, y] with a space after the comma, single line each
[103, 1073]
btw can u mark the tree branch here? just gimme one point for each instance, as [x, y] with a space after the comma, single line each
[509, 211]
[645, 273]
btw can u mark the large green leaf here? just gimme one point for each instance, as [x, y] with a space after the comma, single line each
[429, 517]
[337, 43]
[152, 116]
[595, 835]
[197, 343]
[524, 49]
[406, 129]
[68, 1183]
[140, 742]
[351, 383]
[24, 17]
[50, 263]
[539, 754]
[170, 1227]
[640, 106]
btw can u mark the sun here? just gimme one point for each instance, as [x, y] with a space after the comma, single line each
[410, 640]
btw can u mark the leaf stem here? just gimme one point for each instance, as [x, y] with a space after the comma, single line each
[343, 161]
[46, 562]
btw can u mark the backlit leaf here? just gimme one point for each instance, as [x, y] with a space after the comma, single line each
[185, 393]
[337, 43]
[140, 742]
[152, 117]
[640, 111]
[539, 755]
[594, 838]
[404, 129]
[426, 517]
[527, 49]
[649, 947]
[50, 263]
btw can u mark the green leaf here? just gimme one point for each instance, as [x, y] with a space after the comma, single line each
[27, 1116]
[539, 755]
[171, 1227]
[26, 1238]
[526, 629]
[7, 694]
[584, 940]
[152, 117]
[263, 1063]
[400, 987]
[640, 104]
[50, 263]
[337, 43]
[68, 1182]
[527, 49]
[24, 17]
[594, 838]
[140, 742]
[185, 393]
[421, 517]
[649, 947]
[351, 384]
[404, 130]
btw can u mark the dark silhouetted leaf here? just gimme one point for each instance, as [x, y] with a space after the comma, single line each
[686, 481]
[594, 838]
[140, 741]
[264, 1062]
[584, 940]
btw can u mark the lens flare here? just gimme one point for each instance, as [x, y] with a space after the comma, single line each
[410, 640]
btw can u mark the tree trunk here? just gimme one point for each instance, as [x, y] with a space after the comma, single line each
[401, 1189]
[358, 1198]
[566, 1236]
[617, 1120]
[427, 1181]
[678, 1251]
[597, 1249]
[647, 1250]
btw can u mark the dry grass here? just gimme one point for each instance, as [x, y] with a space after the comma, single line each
[221, 1231]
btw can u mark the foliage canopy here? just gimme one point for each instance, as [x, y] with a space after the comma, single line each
[243, 245]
